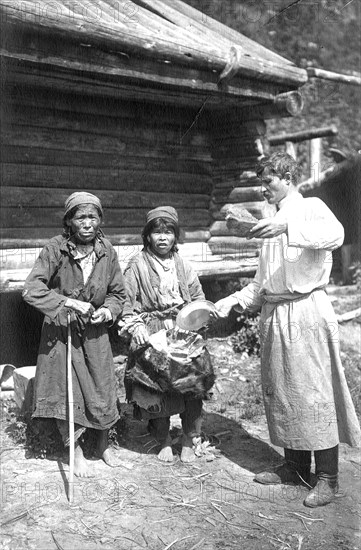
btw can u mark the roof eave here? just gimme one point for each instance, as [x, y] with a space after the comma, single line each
[137, 42]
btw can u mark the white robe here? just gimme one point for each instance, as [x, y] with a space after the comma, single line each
[307, 401]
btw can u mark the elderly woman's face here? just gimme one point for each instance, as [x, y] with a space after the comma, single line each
[85, 223]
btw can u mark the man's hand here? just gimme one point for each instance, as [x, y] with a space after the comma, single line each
[268, 228]
[140, 335]
[101, 315]
[168, 324]
[83, 308]
[225, 305]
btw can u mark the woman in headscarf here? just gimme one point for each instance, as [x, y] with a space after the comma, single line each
[158, 283]
[77, 271]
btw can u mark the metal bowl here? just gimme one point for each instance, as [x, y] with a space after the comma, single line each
[195, 315]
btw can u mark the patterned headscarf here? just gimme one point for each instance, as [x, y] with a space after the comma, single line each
[81, 197]
[166, 212]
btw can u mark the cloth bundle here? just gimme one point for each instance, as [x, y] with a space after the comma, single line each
[174, 361]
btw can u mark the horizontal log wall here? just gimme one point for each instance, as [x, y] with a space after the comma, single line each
[133, 156]
[236, 146]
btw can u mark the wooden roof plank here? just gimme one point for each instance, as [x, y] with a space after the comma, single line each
[184, 22]
[144, 43]
[226, 32]
[92, 8]
[117, 36]
[81, 76]
[159, 27]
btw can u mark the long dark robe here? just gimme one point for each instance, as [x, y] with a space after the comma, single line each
[55, 277]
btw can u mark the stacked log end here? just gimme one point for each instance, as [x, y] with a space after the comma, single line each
[237, 147]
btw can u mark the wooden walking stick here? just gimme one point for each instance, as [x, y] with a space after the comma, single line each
[71, 412]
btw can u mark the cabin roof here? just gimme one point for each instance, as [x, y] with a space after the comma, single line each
[170, 32]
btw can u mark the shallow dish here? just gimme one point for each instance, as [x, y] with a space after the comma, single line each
[195, 315]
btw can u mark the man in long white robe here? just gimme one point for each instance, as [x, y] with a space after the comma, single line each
[307, 401]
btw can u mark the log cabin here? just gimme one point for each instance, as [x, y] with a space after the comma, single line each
[143, 103]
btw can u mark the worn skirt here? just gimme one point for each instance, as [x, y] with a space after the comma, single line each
[94, 383]
[307, 400]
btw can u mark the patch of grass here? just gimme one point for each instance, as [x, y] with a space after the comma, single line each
[252, 398]
[246, 339]
[40, 437]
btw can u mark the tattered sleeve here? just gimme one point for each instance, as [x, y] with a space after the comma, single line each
[36, 289]
[131, 317]
[116, 295]
[131, 292]
[194, 285]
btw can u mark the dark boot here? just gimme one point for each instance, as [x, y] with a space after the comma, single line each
[324, 492]
[296, 470]
[327, 478]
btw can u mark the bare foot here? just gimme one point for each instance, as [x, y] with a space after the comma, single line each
[81, 468]
[109, 454]
[166, 453]
[111, 459]
[187, 454]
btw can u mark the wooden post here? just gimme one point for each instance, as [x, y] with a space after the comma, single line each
[315, 72]
[315, 158]
[69, 369]
[286, 104]
[304, 135]
[346, 263]
[291, 149]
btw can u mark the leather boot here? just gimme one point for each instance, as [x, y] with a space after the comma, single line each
[295, 470]
[324, 492]
[327, 475]
[287, 473]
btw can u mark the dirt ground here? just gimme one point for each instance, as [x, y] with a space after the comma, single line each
[210, 504]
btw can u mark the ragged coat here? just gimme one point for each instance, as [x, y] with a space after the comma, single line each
[145, 305]
[55, 277]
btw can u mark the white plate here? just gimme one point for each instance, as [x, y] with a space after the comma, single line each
[195, 315]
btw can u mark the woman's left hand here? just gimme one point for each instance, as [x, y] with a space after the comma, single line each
[101, 315]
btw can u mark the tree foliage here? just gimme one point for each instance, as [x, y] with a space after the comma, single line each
[322, 33]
